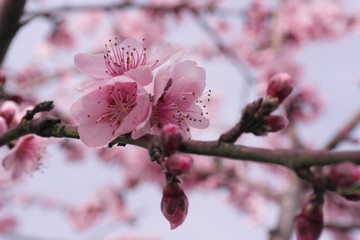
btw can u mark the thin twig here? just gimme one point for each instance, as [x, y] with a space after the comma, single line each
[344, 132]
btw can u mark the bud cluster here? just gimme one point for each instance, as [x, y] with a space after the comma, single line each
[174, 203]
[177, 163]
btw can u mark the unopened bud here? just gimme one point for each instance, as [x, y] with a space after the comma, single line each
[276, 122]
[280, 86]
[344, 174]
[309, 223]
[174, 204]
[178, 164]
[171, 138]
[8, 110]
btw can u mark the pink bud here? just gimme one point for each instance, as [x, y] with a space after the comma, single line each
[307, 229]
[344, 174]
[171, 138]
[174, 204]
[178, 163]
[309, 223]
[280, 86]
[276, 122]
[8, 110]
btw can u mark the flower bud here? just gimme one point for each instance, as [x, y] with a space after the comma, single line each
[344, 174]
[309, 223]
[171, 138]
[280, 86]
[8, 110]
[276, 122]
[178, 164]
[174, 204]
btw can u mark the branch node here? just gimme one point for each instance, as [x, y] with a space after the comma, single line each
[41, 107]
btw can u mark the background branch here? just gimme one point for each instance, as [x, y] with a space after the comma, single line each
[344, 131]
[10, 14]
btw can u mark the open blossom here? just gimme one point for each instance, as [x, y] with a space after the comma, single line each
[129, 58]
[117, 107]
[177, 88]
[25, 156]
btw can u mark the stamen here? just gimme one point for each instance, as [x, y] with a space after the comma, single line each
[118, 61]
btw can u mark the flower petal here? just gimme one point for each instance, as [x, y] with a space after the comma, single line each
[141, 74]
[161, 55]
[197, 118]
[96, 135]
[92, 65]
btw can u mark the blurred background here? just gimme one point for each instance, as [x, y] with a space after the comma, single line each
[241, 44]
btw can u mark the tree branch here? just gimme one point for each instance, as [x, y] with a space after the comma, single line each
[132, 5]
[293, 159]
[10, 14]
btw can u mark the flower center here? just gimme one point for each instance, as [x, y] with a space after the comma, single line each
[119, 59]
[121, 100]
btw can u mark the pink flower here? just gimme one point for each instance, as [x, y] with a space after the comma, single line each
[115, 108]
[8, 224]
[86, 215]
[129, 58]
[177, 89]
[174, 204]
[25, 156]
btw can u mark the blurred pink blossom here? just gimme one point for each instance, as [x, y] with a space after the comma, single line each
[86, 215]
[26, 156]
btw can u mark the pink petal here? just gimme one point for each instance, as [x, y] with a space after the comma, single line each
[139, 113]
[188, 69]
[132, 43]
[96, 135]
[186, 90]
[88, 104]
[142, 129]
[161, 80]
[92, 65]
[161, 55]
[198, 120]
[141, 74]
[9, 161]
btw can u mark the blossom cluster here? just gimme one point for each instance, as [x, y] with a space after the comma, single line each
[127, 96]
